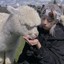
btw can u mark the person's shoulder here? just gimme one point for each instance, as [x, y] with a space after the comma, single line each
[40, 29]
[59, 26]
[59, 29]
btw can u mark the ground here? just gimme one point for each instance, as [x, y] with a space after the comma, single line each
[19, 49]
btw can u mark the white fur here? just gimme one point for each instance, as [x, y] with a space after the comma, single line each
[19, 22]
[62, 18]
[52, 30]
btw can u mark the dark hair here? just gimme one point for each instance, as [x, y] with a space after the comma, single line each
[50, 16]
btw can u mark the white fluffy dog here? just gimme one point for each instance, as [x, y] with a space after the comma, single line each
[21, 21]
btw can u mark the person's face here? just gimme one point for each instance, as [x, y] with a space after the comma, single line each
[46, 24]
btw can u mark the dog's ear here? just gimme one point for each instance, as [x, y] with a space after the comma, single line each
[13, 10]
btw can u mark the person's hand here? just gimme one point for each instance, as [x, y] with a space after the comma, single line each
[32, 42]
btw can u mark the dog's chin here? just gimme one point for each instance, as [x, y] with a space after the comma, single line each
[32, 38]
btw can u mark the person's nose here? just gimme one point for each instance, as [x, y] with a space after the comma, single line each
[44, 22]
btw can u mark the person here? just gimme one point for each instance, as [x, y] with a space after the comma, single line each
[48, 47]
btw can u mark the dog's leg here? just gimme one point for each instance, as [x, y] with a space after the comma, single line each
[10, 57]
[1, 57]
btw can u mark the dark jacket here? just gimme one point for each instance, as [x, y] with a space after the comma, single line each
[51, 52]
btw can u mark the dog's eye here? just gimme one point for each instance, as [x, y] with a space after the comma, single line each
[29, 28]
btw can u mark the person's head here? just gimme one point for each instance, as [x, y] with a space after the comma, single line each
[48, 20]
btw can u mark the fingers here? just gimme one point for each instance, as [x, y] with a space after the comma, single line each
[26, 38]
[31, 42]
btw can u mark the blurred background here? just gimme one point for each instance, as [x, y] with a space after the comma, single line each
[24, 2]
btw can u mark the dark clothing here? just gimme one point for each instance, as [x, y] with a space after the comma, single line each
[51, 52]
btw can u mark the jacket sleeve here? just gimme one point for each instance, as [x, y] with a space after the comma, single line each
[43, 54]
